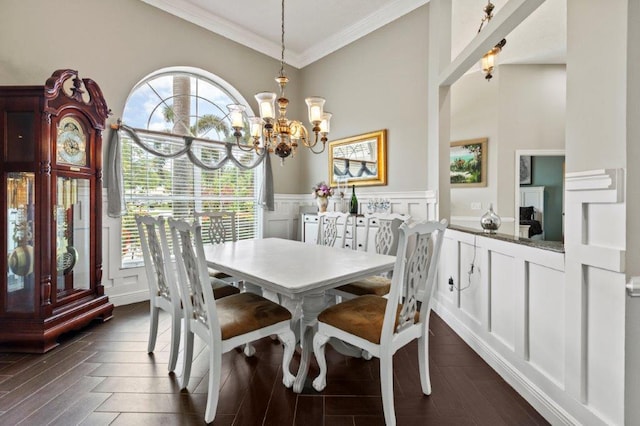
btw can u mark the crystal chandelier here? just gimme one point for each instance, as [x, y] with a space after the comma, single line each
[488, 60]
[280, 135]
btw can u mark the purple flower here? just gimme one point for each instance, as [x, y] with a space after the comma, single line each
[322, 190]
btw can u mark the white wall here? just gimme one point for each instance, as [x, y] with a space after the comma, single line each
[474, 114]
[532, 111]
[522, 107]
[378, 82]
[596, 155]
[632, 347]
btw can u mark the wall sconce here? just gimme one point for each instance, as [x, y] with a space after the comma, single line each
[488, 60]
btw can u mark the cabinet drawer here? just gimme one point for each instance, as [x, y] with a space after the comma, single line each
[362, 221]
[348, 243]
[311, 218]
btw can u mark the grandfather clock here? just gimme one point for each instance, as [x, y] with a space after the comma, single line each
[51, 175]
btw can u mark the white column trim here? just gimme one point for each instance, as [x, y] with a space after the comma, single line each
[597, 186]
[509, 17]
[633, 287]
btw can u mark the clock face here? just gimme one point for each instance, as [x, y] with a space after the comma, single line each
[71, 143]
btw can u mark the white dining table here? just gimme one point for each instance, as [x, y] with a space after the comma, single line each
[300, 273]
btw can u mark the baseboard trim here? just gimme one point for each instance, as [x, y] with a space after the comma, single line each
[128, 298]
[547, 407]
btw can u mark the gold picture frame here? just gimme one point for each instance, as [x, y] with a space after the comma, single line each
[368, 152]
[468, 163]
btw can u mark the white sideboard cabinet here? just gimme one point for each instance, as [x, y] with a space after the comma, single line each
[355, 235]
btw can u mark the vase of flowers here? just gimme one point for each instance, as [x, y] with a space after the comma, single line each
[322, 192]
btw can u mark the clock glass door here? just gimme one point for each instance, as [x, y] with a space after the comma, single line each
[20, 242]
[73, 235]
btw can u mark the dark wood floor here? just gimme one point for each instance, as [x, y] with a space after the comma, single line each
[103, 375]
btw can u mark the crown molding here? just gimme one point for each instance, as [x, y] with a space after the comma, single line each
[214, 23]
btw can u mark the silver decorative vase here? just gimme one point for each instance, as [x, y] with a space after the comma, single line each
[490, 221]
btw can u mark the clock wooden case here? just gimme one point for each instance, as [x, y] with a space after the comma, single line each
[51, 171]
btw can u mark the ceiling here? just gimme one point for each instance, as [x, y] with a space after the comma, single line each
[314, 29]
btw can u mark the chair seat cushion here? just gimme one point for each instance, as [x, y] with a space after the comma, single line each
[245, 312]
[376, 285]
[362, 316]
[221, 290]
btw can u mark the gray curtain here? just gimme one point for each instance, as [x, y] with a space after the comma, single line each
[266, 192]
[116, 206]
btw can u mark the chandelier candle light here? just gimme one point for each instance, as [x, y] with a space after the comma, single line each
[488, 60]
[280, 135]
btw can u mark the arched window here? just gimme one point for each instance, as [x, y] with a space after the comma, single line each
[183, 101]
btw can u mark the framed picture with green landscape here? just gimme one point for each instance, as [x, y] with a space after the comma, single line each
[468, 163]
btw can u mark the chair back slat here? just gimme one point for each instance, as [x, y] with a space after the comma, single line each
[154, 249]
[415, 278]
[217, 227]
[416, 264]
[386, 237]
[332, 228]
[192, 271]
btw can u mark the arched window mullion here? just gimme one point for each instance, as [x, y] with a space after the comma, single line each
[173, 186]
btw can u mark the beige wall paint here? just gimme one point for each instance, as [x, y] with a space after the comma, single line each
[523, 107]
[119, 42]
[532, 105]
[596, 123]
[474, 114]
[378, 82]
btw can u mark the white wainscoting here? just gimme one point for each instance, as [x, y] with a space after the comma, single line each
[510, 309]
[125, 286]
[552, 324]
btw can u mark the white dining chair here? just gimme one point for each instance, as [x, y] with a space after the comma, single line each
[381, 325]
[163, 289]
[225, 323]
[218, 227]
[332, 229]
[385, 241]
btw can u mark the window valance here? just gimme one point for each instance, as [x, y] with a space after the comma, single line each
[159, 144]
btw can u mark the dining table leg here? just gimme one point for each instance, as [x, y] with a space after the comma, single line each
[312, 305]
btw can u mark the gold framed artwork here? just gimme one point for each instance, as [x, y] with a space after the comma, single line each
[468, 163]
[359, 160]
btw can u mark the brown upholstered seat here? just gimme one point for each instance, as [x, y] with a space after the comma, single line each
[375, 285]
[361, 316]
[221, 290]
[214, 273]
[245, 312]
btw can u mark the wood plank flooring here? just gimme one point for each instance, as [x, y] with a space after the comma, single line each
[104, 376]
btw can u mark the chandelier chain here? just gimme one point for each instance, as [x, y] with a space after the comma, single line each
[273, 131]
[282, 41]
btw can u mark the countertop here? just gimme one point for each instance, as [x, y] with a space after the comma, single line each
[556, 246]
